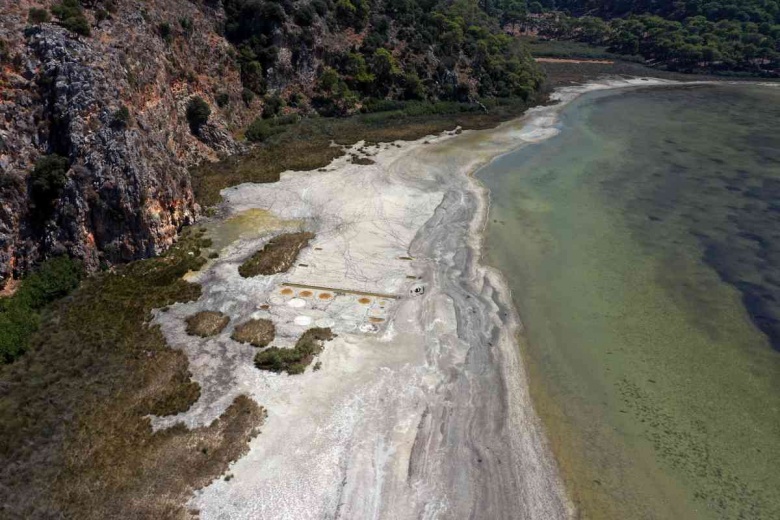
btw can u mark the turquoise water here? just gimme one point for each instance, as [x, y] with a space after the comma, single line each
[641, 247]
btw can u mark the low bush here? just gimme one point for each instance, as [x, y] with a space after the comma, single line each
[273, 105]
[294, 360]
[262, 129]
[222, 99]
[120, 118]
[71, 16]
[165, 31]
[47, 180]
[37, 15]
[247, 96]
[259, 131]
[198, 112]
[20, 313]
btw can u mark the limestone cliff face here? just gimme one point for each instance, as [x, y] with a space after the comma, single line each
[127, 191]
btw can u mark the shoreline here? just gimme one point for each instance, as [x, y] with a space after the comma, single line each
[539, 290]
[406, 418]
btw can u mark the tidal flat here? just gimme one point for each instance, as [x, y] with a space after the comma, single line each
[641, 248]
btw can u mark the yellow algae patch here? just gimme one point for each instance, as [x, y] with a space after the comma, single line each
[364, 301]
[287, 291]
[305, 294]
[248, 224]
[376, 320]
[325, 296]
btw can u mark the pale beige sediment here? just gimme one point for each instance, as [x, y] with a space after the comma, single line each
[421, 407]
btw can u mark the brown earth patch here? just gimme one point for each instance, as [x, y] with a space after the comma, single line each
[277, 256]
[364, 301]
[206, 323]
[259, 333]
[325, 296]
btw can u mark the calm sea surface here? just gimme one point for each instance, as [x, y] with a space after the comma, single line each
[642, 246]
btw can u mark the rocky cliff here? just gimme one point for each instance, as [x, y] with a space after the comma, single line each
[95, 138]
[113, 104]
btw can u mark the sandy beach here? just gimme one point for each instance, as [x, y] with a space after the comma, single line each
[421, 407]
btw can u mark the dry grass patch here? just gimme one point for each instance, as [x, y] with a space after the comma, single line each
[206, 323]
[307, 144]
[294, 360]
[259, 333]
[75, 439]
[277, 256]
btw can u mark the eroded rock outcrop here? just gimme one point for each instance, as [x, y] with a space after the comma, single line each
[127, 190]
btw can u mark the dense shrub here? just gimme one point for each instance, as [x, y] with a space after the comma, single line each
[222, 99]
[294, 360]
[272, 106]
[47, 180]
[259, 130]
[37, 15]
[121, 118]
[71, 16]
[20, 314]
[165, 31]
[198, 112]
[304, 15]
[247, 96]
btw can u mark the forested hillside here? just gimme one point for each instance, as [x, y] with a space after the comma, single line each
[685, 35]
[361, 50]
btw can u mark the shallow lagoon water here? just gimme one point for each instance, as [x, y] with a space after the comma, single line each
[641, 246]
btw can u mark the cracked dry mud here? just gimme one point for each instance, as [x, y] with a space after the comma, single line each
[421, 407]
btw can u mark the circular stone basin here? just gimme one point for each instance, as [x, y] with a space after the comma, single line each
[368, 328]
[325, 296]
[364, 301]
[297, 303]
[303, 320]
[325, 323]
[305, 294]
[287, 291]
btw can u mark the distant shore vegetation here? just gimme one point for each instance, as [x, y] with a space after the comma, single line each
[725, 37]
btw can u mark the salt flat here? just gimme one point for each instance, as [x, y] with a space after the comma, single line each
[421, 407]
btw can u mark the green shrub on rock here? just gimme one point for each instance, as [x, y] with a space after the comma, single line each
[47, 180]
[259, 131]
[198, 112]
[71, 16]
[37, 15]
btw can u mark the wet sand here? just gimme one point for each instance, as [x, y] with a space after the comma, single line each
[421, 406]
